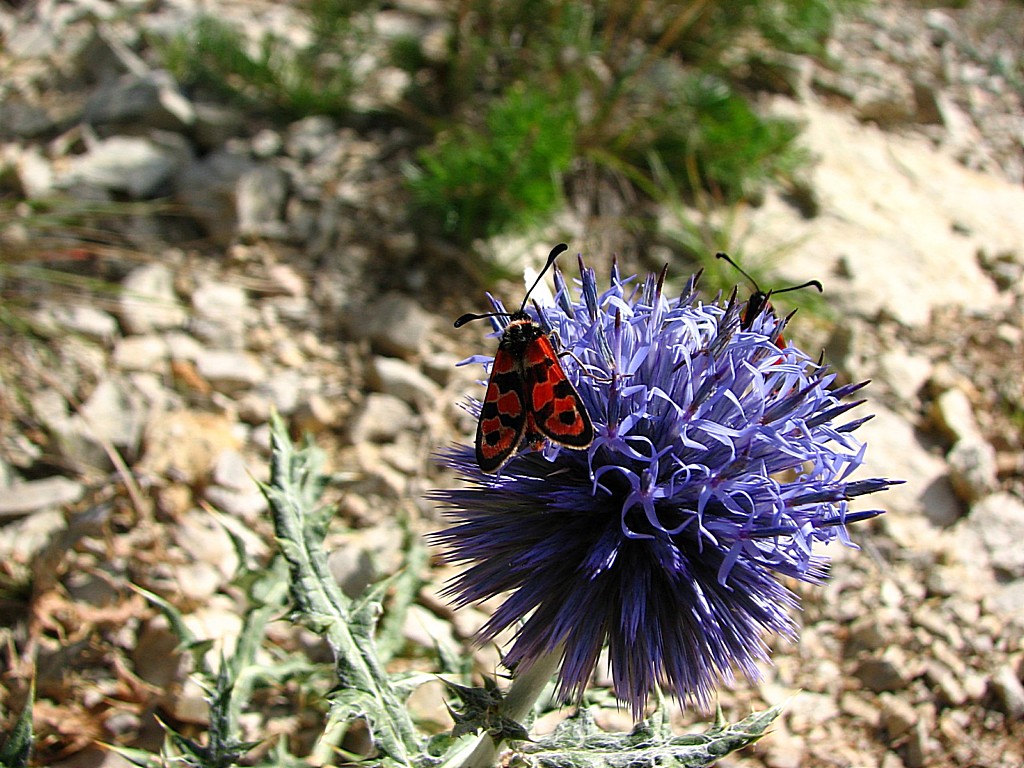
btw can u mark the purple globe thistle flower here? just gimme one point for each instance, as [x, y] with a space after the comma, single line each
[717, 464]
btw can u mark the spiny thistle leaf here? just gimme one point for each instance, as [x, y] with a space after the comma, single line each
[300, 523]
[578, 744]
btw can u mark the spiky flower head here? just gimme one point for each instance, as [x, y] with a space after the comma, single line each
[720, 460]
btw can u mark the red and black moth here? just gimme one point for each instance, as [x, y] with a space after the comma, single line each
[760, 300]
[529, 398]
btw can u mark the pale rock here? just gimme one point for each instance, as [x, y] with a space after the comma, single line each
[139, 166]
[216, 124]
[393, 376]
[22, 540]
[141, 353]
[249, 505]
[309, 137]
[266, 143]
[894, 451]
[395, 325]
[260, 196]
[85, 320]
[148, 301]
[35, 174]
[809, 710]
[220, 621]
[376, 476]
[972, 468]
[182, 346]
[380, 419]
[113, 416]
[185, 445]
[427, 705]
[904, 372]
[886, 206]
[232, 471]
[23, 498]
[230, 371]
[151, 100]
[364, 557]
[425, 630]
[785, 749]
[220, 314]
[892, 670]
[998, 520]
[206, 188]
[1009, 692]
[898, 715]
[1006, 599]
[156, 657]
[948, 690]
[954, 414]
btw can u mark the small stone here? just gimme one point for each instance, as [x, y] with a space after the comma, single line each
[260, 195]
[998, 520]
[393, 376]
[425, 630]
[151, 100]
[148, 301]
[898, 715]
[33, 495]
[380, 419]
[309, 137]
[216, 124]
[156, 657]
[206, 189]
[892, 671]
[266, 143]
[230, 371]
[35, 173]
[248, 505]
[221, 311]
[138, 166]
[918, 747]
[953, 412]
[948, 690]
[395, 325]
[85, 320]
[184, 445]
[904, 373]
[1008, 691]
[141, 353]
[113, 415]
[231, 471]
[364, 558]
[972, 468]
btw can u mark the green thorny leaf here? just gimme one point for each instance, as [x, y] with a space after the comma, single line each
[17, 749]
[293, 494]
[577, 743]
[222, 749]
[482, 709]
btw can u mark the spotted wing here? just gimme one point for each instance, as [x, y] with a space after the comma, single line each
[554, 405]
[503, 414]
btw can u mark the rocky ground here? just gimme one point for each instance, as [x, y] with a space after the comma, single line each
[283, 275]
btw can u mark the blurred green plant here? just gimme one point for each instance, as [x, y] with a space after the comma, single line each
[626, 81]
[480, 180]
[274, 73]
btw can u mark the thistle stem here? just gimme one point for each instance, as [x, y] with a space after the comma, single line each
[526, 688]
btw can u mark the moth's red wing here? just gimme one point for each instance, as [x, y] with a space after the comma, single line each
[502, 416]
[557, 411]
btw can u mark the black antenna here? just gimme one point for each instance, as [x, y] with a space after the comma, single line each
[759, 299]
[469, 317]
